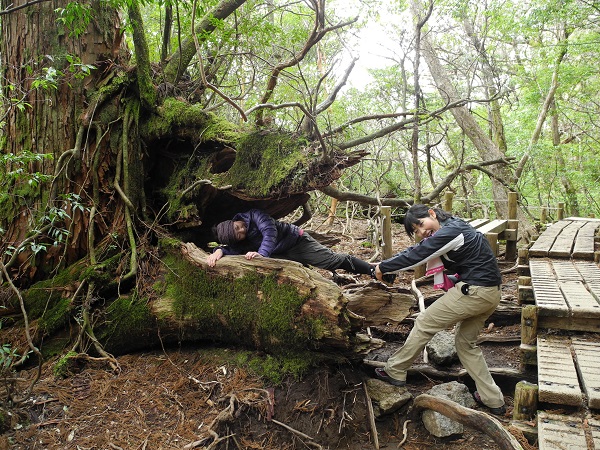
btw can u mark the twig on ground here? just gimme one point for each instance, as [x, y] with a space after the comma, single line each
[310, 440]
[404, 433]
[371, 417]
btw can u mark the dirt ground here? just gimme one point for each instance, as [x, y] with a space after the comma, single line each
[191, 398]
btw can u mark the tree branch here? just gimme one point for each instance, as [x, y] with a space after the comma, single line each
[144, 78]
[317, 33]
[474, 419]
[182, 57]
[399, 202]
[11, 9]
[203, 75]
[402, 124]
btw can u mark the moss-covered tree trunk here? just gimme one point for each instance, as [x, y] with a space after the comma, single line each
[133, 162]
[43, 65]
[268, 304]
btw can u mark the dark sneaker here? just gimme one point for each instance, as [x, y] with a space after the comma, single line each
[389, 278]
[499, 411]
[382, 375]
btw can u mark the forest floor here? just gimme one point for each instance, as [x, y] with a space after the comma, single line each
[188, 397]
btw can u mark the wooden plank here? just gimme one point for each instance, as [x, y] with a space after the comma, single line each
[590, 272]
[584, 242]
[588, 366]
[569, 323]
[565, 270]
[549, 298]
[594, 289]
[541, 247]
[581, 302]
[495, 226]
[541, 268]
[594, 425]
[558, 432]
[476, 223]
[557, 376]
[563, 244]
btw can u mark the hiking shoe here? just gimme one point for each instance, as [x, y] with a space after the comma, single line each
[383, 376]
[499, 411]
[389, 278]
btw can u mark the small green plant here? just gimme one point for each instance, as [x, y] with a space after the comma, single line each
[74, 16]
[8, 355]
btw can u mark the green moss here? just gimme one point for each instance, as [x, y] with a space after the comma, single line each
[56, 317]
[255, 309]
[265, 162]
[176, 114]
[273, 369]
[125, 317]
[169, 243]
[54, 346]
[44, 296]
[62, 367]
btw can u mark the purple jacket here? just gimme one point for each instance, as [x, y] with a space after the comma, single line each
[264, 235]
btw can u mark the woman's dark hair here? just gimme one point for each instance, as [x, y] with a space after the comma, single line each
[419, 211]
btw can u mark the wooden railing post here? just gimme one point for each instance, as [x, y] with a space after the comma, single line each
[387, 250]
[544, 215]
[561, 211]
[512, 206]
[513, 224]
[448, 197]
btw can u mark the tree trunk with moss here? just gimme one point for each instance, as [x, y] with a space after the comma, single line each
[269, 304]
[132, 162]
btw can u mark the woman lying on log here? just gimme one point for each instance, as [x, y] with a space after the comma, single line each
[255, 234]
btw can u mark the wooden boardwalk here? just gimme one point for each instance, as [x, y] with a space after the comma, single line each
[564, 283]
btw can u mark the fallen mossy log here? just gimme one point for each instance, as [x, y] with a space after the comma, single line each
[265, 303]
[471, 418]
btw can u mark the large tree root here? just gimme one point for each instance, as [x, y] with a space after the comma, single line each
[474, 419]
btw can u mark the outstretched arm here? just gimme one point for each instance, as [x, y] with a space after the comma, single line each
[212, 259]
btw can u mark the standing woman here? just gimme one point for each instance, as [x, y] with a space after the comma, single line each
[468, 304]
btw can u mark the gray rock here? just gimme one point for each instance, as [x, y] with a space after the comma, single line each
[386, 398]
[440, 425]
[441, 349]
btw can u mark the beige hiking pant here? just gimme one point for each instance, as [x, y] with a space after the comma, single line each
[469, 313]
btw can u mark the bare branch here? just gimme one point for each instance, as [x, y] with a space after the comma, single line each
[203, 75]
[10, 9]
[329, 100]
[396, 126]
[317, 33]
[401, 202]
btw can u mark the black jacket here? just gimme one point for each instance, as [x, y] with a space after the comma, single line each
[463, 250]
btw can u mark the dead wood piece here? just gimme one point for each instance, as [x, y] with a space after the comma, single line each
[432, 372]
[379, 304]
[309, 441]
[404, 433]
[469, 417]
[371, 417]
